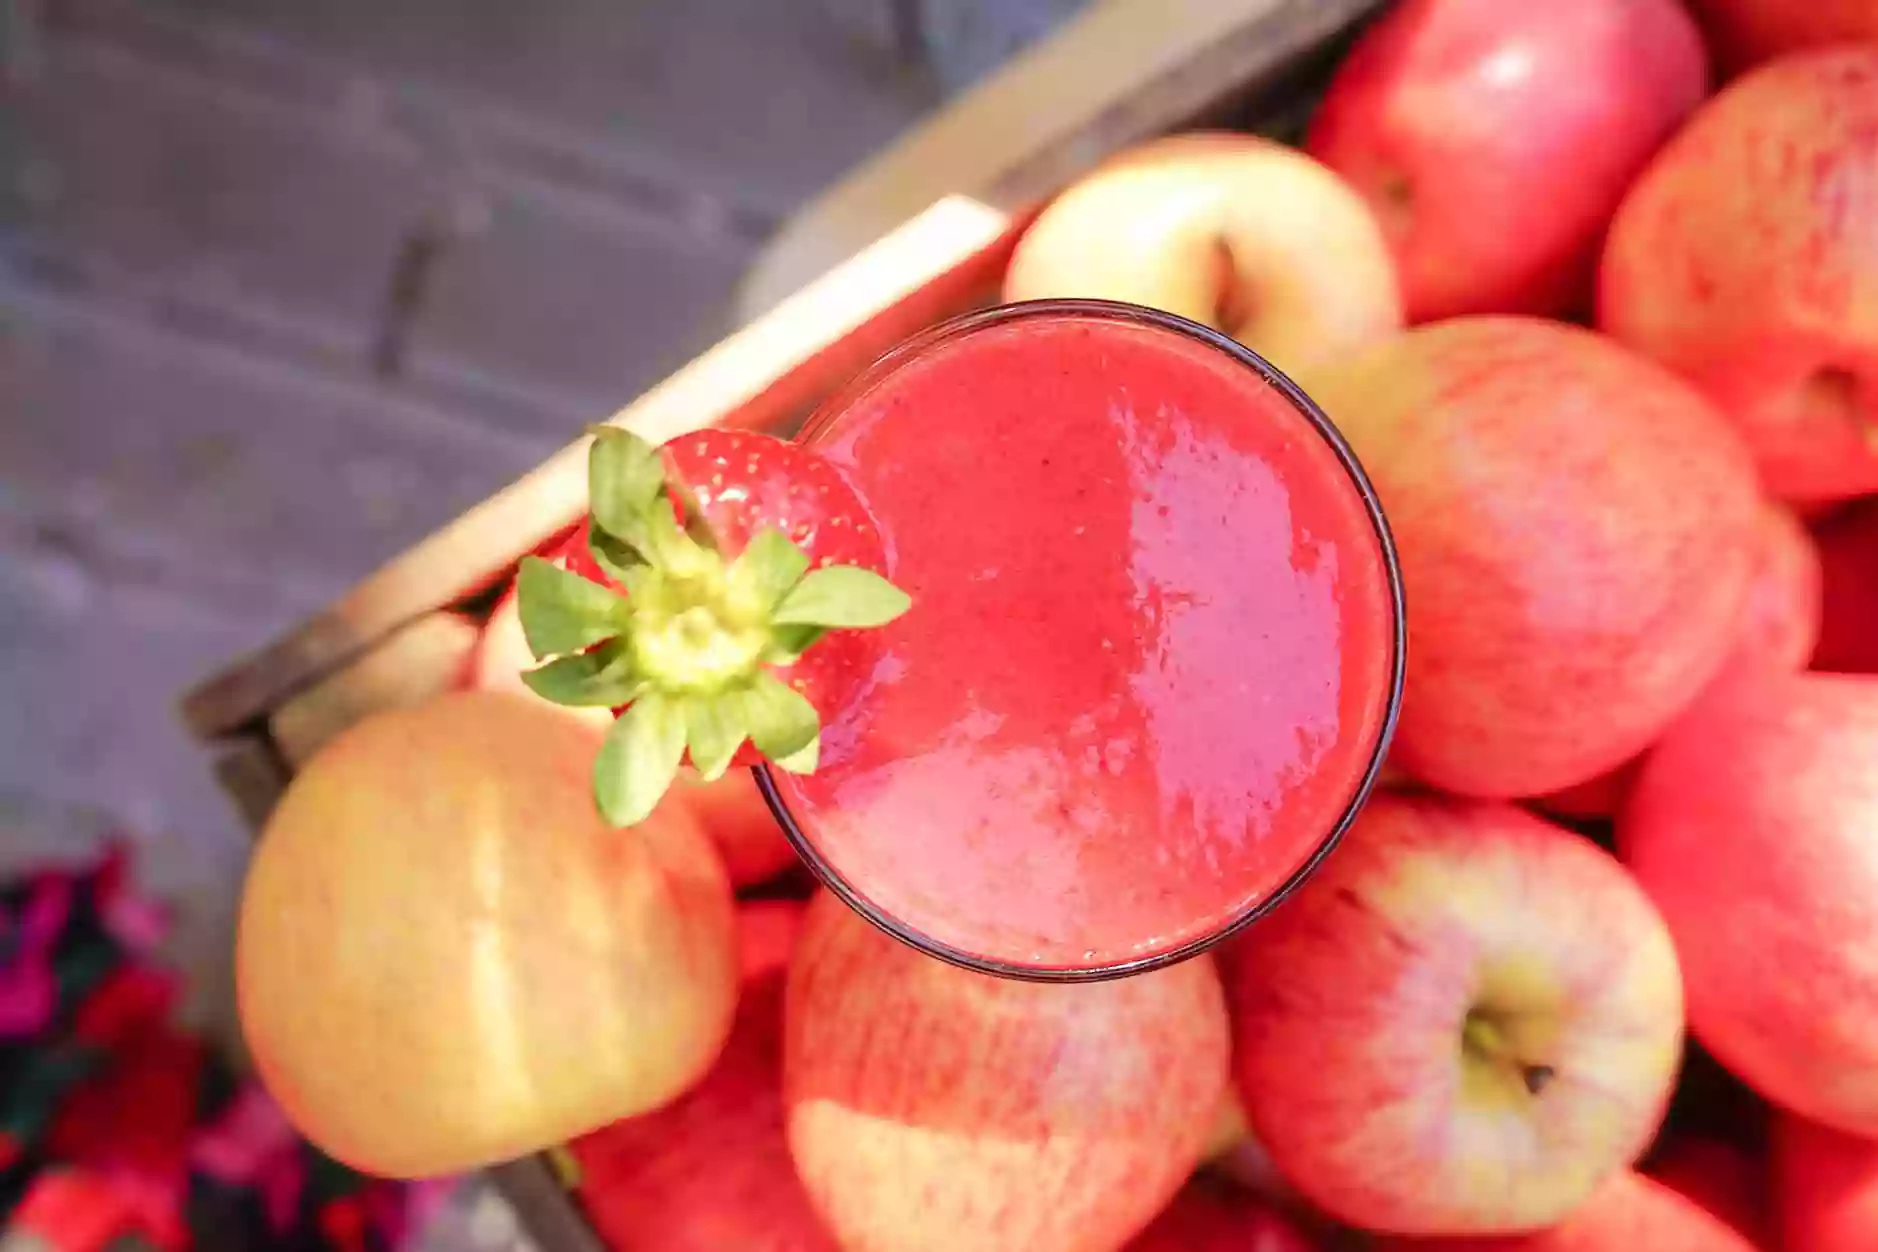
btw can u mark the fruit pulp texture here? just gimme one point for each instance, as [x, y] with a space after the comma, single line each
[1150, 652]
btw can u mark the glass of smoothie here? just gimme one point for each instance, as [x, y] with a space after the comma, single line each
[1156, 655]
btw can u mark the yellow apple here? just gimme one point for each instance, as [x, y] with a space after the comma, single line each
[1239, 233]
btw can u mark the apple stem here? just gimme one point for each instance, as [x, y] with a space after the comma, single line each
[1482, 1036]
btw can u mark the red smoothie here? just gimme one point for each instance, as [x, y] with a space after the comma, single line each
[1153, 652]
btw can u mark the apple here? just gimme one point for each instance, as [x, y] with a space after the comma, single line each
[1495, 139]
[1719, 1177]
[1778, 630]
[1743, 259]
[933, 1107]
[1848, 549]
[711, 1171]
[1210, 1218]
[1431, 1038]
[446, 959]
[1746, 32]
[1629, 1213]
[1577, 530]
[731, 809]
[1751, 827]
[1825, 1188]
[1240, 233]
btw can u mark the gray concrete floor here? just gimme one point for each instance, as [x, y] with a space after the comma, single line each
[214, 416]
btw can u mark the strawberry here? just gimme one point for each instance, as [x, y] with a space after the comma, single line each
[711, 598]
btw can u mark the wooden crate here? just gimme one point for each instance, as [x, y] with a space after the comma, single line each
[919, 234]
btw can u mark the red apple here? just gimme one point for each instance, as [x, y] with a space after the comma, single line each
[1744, 259]
[1825, 1188]
[1751, 826]
[1494, 139]
[446, 958]
[1245, 235]
[1777, 630]
[711, 1172]
[932, 1107]
[1747, 32]
[731, 809]
[1210, 1218]
[1430, 1038]
[1719, 1177]
[1629, 1213]
[1848, 551]
[1577, 530]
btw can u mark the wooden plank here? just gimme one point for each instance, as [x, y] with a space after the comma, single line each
[762, 377]
[1122, 72]
[414, 663]
[254, 777]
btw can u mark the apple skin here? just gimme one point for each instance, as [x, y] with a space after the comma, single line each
[1825, 1188]
[1629, 1213]
[1238, 233]
[1848, 551]
[1719, 1177]
[933, 1107]
[1495, 138]
[731, 809]
[1751, 827]
[1565, 603]
[1743, 259]
[711, 1171]
[445, 958]
[1778, 630]
[1744, 33]
[1436, 916]
[1206, 1217]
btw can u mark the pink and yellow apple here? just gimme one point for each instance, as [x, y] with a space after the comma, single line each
[1745, 260]
[1233, 231]
[1578, 530]
[1494, 139]
[930, 1107]
[446, 959]
[1430, 1038]
[1751, 827]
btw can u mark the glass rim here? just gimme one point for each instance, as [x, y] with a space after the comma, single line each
[849, 393]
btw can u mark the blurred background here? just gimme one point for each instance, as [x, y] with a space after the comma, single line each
[284, 286]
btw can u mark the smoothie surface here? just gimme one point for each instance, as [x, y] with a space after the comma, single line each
[1149, 656]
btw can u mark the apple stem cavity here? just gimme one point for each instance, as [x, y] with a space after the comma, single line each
[1483, 1039]
[691, 653]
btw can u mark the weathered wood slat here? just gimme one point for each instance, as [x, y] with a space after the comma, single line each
[761, 377]
[413, 663]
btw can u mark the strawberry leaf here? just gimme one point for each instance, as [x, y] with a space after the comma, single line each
[639, 759]
[788, 643]
[563, 612]
[844, 596]
[624, 476]
[782, 722]
[602, 677]
[768, 567]
[615, 557]
[714, 729]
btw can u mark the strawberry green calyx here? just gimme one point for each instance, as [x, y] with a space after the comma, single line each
[692, 645]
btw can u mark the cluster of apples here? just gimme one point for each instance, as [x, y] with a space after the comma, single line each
[1608, 346]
